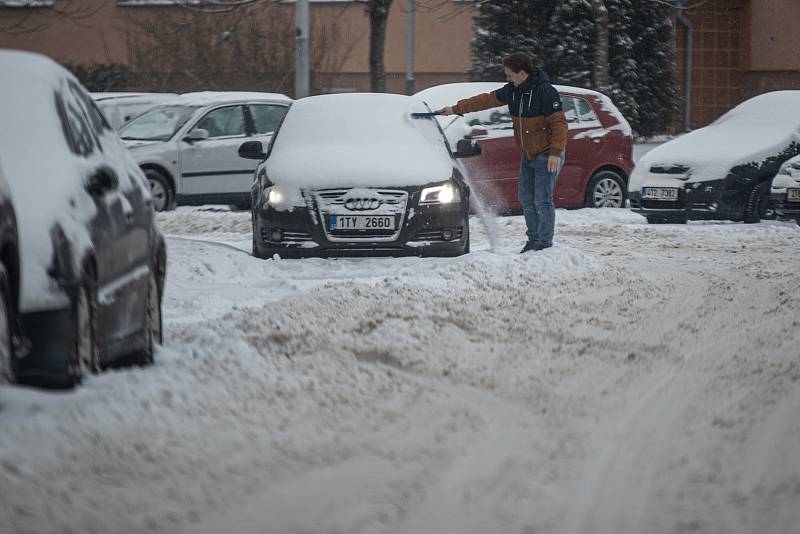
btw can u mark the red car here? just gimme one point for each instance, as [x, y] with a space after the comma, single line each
[599, 148]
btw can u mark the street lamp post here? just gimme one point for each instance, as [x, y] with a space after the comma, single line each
[301, 68]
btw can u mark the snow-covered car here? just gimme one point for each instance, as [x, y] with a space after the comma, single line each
[722, 171]
[188, 148]
[9, 281]
[356, 174]
[785, 192]
[91, 260]
[119, 108]
[598, 153]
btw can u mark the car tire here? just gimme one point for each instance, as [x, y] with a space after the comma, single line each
[759, 204]
[606, 189]
[154, 333]
[163, 197]
[466, 245]
[7, 321]
[85, 352]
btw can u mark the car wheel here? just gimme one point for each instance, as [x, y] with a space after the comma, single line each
[85, 352]
[466, 245]
[257, 253]
[153, 324]
[759, 204]
[160, 190]
[606, 190]
[7, 374]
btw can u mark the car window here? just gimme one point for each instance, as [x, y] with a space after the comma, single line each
[568, 105]
[267, 117]
[76, 129]
[491, 119]
[158, 124]
[586, 113]
[96, 119]
[223, 122]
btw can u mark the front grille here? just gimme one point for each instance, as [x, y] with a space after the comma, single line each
[435, 234]
[669, 169]
[361, 202]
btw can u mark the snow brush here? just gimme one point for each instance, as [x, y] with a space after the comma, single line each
[424, 115]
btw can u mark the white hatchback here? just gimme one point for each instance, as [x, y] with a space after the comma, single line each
[188, 147]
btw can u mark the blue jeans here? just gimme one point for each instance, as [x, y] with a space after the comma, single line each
[536, 185]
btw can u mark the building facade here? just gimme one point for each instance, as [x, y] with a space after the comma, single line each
[739, 48]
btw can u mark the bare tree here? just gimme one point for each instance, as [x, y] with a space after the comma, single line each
[378, 11]
[247, 48]
[36, 15]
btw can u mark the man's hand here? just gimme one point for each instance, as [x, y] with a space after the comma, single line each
[447, 110]
[552, 163]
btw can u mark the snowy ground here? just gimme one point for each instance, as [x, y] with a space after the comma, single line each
[632, 379]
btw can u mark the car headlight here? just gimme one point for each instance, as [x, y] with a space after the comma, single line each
[440, 194]
[274, 195]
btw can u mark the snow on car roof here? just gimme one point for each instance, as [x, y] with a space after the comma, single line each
[44, 175]
[450, 93]
[102, 96]
[358, 139]
[204, 98]
[752, 131]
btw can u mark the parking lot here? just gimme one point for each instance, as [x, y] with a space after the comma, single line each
[633, 378]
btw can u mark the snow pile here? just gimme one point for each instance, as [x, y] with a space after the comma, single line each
[633, 378]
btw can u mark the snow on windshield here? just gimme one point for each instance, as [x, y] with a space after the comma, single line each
[752, 131]
[358, 139]
[158, 124]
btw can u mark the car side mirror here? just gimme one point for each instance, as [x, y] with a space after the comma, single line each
[101, 181]
[477, 133]
[252, 150]
[198, 134]
[467, 148]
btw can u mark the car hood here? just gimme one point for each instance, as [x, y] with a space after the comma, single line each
[340, 165]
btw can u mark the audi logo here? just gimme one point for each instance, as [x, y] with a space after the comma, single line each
[362, 204]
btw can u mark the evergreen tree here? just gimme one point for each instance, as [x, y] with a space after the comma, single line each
[654, 52]
[569, 54]
[560, 35]
[623, 70]
[506, 26]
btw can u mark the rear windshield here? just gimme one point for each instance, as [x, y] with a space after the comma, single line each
[158, 124]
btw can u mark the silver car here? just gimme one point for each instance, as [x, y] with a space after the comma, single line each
[188, 148]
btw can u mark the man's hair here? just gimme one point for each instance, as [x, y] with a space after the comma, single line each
[519, 61]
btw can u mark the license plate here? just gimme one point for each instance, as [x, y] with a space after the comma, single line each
[660, 193]
[793, 195]
[361, 222]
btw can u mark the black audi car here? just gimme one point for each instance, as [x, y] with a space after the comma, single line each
[86, 271]
[359, 174]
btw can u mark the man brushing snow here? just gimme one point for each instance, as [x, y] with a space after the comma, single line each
[540, 130]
